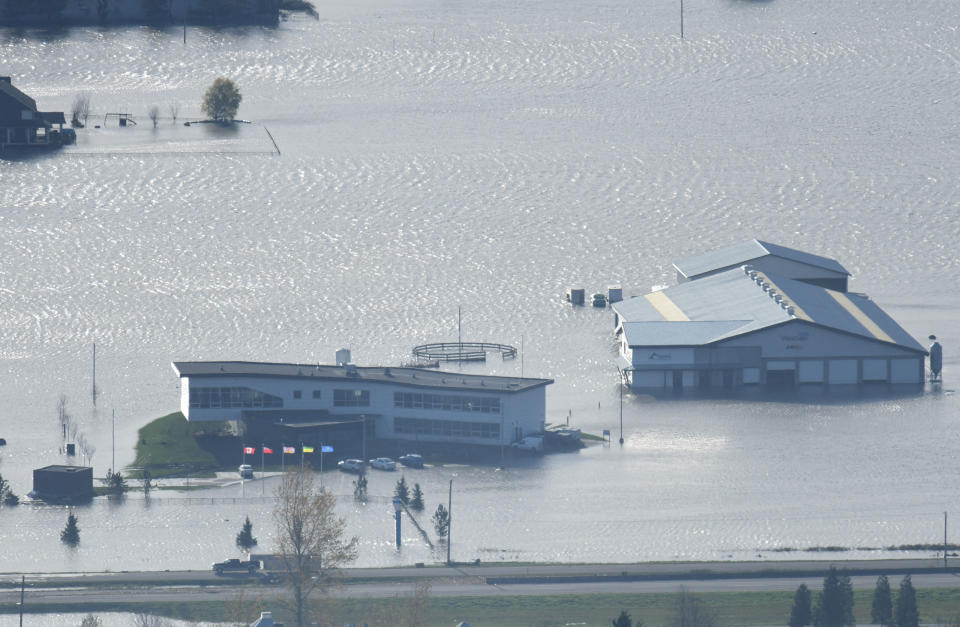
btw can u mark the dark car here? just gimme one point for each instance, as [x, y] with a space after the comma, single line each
[413, 460]
[236, 565]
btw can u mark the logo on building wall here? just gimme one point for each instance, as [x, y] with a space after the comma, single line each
[660, 356]
[799, 337]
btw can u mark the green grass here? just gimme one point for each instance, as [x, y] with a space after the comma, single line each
[741, 608]
[171, 446]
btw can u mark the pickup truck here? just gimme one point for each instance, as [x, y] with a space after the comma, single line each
[236, 565]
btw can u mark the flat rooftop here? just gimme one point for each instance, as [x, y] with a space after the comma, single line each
[418, 377]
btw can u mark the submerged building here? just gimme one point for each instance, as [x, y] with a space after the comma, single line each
[761, 314]
[282, 403]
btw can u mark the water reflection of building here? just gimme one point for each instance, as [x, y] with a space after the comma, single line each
[761, 314]
[20, 122]
[303, 403]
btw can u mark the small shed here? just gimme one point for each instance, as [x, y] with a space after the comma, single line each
[63, 482]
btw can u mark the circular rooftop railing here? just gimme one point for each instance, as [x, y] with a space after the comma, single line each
[462, 351]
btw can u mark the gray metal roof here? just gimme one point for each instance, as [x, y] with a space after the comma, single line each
[746, 252]
[419, 377]
[730, 303]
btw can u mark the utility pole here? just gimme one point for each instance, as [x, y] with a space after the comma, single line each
[681, 19]
[449, 520]
[113, 441]
[184, 22]
[93, 388]
[22, 579]
[459, 338]
[944, 540]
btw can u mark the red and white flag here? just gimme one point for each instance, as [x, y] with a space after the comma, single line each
[289, 450]
[249, 450]
[267, 450]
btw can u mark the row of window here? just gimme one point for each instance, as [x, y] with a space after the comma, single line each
[418, 400]
[216, 398]
[351, 398]
[299, 394]
[447, 428]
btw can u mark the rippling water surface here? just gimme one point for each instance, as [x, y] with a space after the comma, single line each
[486, 154]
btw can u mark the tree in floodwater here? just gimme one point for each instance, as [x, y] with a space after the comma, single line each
[71, 533]
[417, 501]
[624, 620]
[222, 100]
[441, 521]
[245, 539]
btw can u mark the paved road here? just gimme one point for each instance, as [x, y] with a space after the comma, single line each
[180, 594]
[558, 579]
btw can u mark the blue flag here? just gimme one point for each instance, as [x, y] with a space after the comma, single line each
[326, 449]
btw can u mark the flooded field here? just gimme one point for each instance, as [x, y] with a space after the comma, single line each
[424, 156]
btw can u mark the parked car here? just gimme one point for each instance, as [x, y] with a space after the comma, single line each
[383, 463]
[246, 471]
[413, 460]
[350, 465]
[236, 565]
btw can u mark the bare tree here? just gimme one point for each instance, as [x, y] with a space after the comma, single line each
[691, 612]
[142, 619]
[80, 110]
[417, 606]
[311, 538]
[154, 114]
[174, 111]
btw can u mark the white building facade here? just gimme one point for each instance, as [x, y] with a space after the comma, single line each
[392, 403]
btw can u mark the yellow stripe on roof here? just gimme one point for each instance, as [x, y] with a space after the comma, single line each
[798, 311]
[666, 307]
[860, 317]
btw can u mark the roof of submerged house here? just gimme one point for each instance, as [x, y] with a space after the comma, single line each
[745, 252]
[732, 303]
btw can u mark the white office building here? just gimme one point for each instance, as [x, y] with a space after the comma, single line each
[761, 314]
[282, 403]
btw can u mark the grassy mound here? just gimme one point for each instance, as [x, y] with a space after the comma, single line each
[171, 446]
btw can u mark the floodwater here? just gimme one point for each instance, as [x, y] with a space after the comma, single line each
[406, 159]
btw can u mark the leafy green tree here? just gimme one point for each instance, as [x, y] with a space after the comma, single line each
[907, 613]
[835, 601]
[441, 521]
[417, 501]
[801, 614]
[222, 100]
[881, 612]
[71, 533]
[402, 492]
[245, 539]
[360, 488]
[623, 620]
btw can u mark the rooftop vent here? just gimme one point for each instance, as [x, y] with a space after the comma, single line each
[351, 370]
[343, 356]
[790, 310]
[778, 298]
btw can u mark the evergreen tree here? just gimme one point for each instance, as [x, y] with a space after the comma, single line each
[71, 533]
[907, 613]
[623, 620]
[115, 482]
[245, 539]
[7, 497]
[881, 612]
[835, 602]
[801, 614]
[402, 492]
[441, 521]
[417, 501]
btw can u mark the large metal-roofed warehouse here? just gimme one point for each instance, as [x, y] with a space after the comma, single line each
[761, 314]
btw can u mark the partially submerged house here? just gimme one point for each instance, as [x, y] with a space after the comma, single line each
[761, 314]
[21, 124]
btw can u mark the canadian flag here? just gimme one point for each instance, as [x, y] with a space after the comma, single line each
[249, 450]
[267, 450]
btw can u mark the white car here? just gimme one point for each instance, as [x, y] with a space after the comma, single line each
[350, 465]
[383, 463]
[246, 471]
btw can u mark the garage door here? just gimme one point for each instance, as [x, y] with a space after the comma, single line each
[874, 369]
[810, 371]
[843, 371]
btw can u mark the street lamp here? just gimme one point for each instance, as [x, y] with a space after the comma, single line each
[621, 412]
[398, 506]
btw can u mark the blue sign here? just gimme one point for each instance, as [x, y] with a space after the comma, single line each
[326, 449]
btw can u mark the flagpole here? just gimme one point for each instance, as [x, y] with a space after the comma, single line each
[301, 455]
[261, 470]
[283, 457]
[321, 465]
